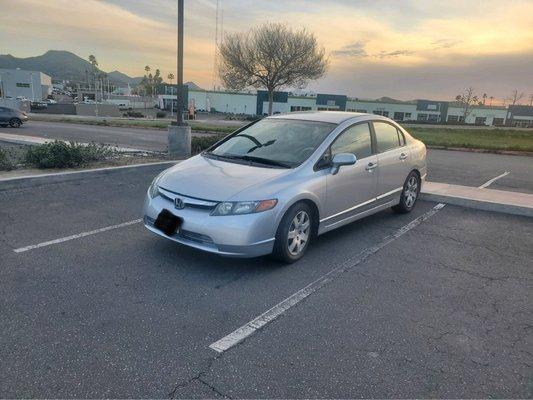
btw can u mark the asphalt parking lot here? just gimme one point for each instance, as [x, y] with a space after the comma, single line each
[438, 307]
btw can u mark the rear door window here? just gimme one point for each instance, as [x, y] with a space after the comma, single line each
[387, 136]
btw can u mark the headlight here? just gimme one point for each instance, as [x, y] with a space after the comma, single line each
[243, 207]
[153, 190]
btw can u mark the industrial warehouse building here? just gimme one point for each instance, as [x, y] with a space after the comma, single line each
[427, 111]
[18, 83]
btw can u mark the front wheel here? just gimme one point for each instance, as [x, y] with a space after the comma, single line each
[410, 192]
[15, 123]
[294, 234]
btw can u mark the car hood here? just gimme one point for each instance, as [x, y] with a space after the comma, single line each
[215, 180]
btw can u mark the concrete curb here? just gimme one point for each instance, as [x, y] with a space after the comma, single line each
[21, 182]
[479, 198]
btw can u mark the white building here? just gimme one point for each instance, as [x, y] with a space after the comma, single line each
[18, 83]
[422, 111]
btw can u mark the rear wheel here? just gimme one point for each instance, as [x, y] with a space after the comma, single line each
[410, 192]
[15, 123]
[294, 234]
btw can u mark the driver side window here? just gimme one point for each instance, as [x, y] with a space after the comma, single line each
[355, 140]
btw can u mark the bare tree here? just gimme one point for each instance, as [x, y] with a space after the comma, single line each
[270, 56]
[467, 100]
[515, 98]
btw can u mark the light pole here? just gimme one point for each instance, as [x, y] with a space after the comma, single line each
[179, 132]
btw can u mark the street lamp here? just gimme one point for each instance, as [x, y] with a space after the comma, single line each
[179, 132]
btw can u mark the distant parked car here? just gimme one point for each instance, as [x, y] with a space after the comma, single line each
[38, 105]
[11, 117]
[273, 185]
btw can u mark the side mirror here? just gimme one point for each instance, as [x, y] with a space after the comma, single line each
[342, 159]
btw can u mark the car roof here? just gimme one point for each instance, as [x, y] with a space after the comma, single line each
[334, 117]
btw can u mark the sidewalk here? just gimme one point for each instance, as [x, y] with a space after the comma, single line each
[479, 198]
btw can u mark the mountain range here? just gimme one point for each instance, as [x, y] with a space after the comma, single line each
[64, 65]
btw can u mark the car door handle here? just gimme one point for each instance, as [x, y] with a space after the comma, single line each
[403, 156]
[371, 166]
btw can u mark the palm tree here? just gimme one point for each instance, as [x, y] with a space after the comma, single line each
[170, 77]
[484, 97]
[491, 98]
[94, 63]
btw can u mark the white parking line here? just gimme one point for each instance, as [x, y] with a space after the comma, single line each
[251, 327]
[77, 236]
[491, 181]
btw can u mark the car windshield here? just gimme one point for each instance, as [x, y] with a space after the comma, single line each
[276, 142]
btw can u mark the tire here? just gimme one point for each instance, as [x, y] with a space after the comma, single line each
[15, 123]
[294, 234]
[410, 192]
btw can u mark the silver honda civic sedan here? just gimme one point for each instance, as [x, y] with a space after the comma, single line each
[275, 184]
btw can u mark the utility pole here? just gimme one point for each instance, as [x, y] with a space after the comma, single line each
[179, 111]
[32, 91]
[179, 133]
[2, 86]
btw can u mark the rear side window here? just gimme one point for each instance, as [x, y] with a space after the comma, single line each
[387, 137]
[356, 140]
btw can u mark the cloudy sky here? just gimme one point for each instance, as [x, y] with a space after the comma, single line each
[403, 49]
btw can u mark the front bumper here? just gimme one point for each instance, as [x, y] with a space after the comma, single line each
[250, 235]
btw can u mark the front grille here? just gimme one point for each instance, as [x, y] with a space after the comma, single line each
[194, 237]
[185, 234]
[189, 202]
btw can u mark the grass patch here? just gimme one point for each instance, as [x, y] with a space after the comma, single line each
[59, 154]
[486, 139]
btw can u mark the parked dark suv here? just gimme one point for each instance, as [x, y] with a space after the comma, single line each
[11, 117]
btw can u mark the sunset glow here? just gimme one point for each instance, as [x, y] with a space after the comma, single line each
[376, 48]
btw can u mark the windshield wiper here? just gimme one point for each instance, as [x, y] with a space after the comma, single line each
[253, 159]
[261, 160]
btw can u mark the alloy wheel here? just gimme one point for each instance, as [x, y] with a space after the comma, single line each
[299, 231]
[411, 191]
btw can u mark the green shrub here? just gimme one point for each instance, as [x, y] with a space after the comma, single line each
[134, 114]
[5, 162]
[161, 114]
[200, 143]
[58, 154]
